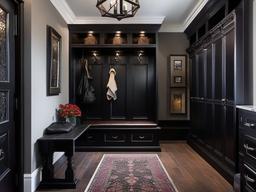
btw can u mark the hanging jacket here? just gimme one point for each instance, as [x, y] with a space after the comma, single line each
[85, 88]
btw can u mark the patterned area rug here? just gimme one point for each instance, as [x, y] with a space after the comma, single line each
[131, 173]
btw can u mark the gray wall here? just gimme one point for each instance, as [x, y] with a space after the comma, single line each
[41, 109]
[169, 44]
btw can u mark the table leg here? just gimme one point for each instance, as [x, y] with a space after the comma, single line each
[48, 168]
[69, 174]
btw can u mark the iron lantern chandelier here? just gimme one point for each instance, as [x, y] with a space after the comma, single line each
[118, 9]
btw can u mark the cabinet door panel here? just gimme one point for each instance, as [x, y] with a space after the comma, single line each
[218, 129]
[209, 73]
[139, 91]
[230, 136]
[118, 110]
[194, 77]
[218, 70]
[230, 66]
[209, 125]
[201, 74]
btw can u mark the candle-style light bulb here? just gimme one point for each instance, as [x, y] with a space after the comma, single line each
[125, 8]
[115, 6]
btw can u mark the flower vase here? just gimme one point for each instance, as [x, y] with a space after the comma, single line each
[71, 120]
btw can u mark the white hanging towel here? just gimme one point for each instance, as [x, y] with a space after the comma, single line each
[111, 86]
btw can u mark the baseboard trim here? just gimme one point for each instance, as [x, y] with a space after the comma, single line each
[32, 181]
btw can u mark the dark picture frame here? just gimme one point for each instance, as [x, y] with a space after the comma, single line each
[53, 61]
[178, 102]
[178, 70]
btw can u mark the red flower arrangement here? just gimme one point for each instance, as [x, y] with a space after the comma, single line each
[69, 110]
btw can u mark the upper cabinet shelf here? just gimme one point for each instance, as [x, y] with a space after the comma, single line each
[116, 39]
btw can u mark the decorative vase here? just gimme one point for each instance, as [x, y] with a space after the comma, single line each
[71, 120]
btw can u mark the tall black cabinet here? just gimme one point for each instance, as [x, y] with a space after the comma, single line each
[220, 79]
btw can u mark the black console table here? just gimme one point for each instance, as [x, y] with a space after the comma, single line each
[65, 142]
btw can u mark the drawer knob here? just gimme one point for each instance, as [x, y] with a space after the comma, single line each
[248, 148]
[2, 154]
[248, 179]
[142, 137]
[249, 125]
[114, 137]
[90, 137]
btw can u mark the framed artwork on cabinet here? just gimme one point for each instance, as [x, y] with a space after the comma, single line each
[178, 70]
[178, 101]
[53, 61]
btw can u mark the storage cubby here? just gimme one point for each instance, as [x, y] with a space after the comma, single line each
[87, 38]
[143, 38]
[117, 38]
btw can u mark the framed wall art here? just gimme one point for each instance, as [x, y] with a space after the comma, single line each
[178, 101]
[178, 70]
[53, 61]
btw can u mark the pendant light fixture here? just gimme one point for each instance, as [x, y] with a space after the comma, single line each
[118, 9]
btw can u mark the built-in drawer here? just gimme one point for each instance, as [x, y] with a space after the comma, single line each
[249, 178]
[249, 147]
[247, 119]
[142, 137]
[115, 138]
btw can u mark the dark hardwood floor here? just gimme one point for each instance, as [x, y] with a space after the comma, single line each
[188, 170]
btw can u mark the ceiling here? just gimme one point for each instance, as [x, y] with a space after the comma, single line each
[174, 15]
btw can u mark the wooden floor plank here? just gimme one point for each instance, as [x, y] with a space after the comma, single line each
[188, 170]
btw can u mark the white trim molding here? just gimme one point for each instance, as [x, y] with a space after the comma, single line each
[70, 18]
[200, 5]
[31, 181]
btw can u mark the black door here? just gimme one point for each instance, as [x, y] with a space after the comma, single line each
[7, 100]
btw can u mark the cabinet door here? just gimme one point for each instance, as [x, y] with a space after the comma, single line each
[219, 118]
[209, 122]
[193, 118]
[201, 74]
[209, 70]
[229, 66]
[194, 76]
[218, 70]
[230, 136]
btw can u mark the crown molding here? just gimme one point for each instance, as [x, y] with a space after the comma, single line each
[200, 5]
[106, 20]
[65, 11]
[70, 18]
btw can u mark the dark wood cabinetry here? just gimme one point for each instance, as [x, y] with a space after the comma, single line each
[131, 51]
[219, 76]
[247, 149]
[119, 47]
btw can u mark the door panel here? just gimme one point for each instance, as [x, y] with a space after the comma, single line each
[230, 51]
[230, 136]
[218, 70]
[194, 77]
[201, 74]
[218, 129]
[209, 73]
[7, 90]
